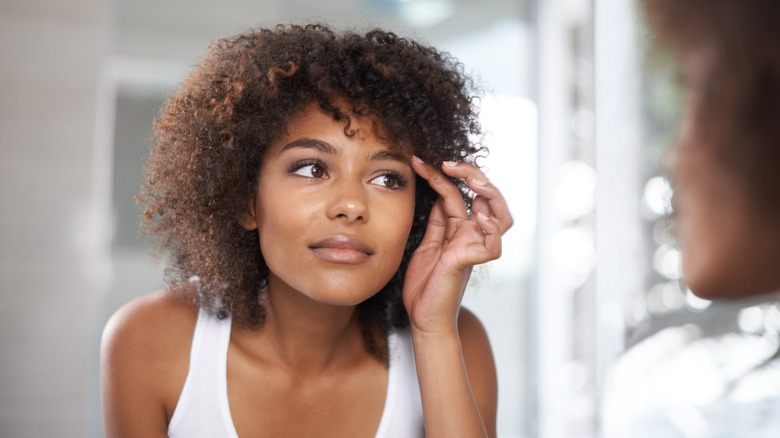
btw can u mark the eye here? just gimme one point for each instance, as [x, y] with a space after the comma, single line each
[311, 170]
[389, 180]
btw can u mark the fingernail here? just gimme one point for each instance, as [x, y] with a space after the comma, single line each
[449, 163]
[478, 182]
[482, 216]
[417, 159]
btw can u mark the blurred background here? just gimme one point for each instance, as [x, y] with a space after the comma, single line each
[586, 306]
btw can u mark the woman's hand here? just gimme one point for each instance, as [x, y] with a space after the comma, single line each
[454, 242]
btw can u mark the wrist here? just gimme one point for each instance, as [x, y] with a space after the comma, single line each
[439, 336]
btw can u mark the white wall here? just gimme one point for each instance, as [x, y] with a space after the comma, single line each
[49, 73]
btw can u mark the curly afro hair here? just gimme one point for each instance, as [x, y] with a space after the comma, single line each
[212, 133]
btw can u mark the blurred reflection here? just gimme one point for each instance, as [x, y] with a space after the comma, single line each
[667, 261]
[695, 303]
[690, 381]
[657, 198]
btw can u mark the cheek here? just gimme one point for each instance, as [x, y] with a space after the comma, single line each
[704, 224]
[405, 215]
[729, 249]
[729, 255]
[279, 221]
[395, 226]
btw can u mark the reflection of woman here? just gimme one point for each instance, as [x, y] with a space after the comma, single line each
[317, 264]
[726, 164]
[725, 169]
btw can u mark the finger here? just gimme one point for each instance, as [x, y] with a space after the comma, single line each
[452, 200]
[480, 205]
[436, 229]
[483, 243]
[480, 185]
[493, 233]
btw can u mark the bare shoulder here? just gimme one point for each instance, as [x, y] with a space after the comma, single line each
[145, 319]
[151, 327]
[480, 366]
[143, 362]
[472, 332]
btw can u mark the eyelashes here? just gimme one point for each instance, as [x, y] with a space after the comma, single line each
[314, 168]
[308, 168]
[390, 179]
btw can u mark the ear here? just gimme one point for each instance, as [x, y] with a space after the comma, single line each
[248, 219]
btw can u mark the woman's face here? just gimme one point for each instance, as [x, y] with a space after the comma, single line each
[333, 211]
[730, 249]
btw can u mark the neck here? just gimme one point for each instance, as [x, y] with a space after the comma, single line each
[306, 335]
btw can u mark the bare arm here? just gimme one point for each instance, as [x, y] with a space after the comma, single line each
[454, 363]
[143, 365]
[458, 381]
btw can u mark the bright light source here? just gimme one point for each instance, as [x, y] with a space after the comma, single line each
[667, 261]
[576, 192]
[657, 198]
[695, 303]
[573, 250]
[772, 319]
[751, 319]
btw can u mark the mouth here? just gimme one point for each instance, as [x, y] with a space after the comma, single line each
[342, 249]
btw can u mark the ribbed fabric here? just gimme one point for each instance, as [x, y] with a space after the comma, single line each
[203, 410]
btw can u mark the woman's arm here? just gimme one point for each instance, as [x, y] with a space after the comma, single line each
[458, 381]
[481, 367]
[143, 364]
[454, 363]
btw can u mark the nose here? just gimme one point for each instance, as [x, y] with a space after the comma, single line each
[348, 202]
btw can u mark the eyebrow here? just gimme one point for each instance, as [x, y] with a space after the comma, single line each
[325, 147]
[311, 143]
[386, 155]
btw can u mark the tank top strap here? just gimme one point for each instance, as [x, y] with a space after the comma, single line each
[203, 409]
[403, 416]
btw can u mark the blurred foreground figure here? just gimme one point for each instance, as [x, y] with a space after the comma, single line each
[725, 165]
[716, 374]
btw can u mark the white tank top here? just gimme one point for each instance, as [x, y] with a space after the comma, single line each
[203, 410]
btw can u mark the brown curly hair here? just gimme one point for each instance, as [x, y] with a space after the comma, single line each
[739, 113]
[211, 136]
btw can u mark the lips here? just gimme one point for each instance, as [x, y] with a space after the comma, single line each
[342, 249]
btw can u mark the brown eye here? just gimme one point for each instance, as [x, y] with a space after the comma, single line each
[388, 180]
[311, 171]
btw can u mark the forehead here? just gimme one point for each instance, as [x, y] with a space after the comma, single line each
[315, 122]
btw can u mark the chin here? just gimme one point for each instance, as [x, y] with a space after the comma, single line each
[731, 282]
[341, 296]
[343, 301]
[709, 291]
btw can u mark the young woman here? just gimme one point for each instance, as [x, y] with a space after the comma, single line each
[316, 195]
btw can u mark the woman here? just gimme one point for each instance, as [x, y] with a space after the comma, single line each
[725, 164]
[311, 190]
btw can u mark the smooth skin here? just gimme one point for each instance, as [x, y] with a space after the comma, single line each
[447, 346]
[309, 355]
